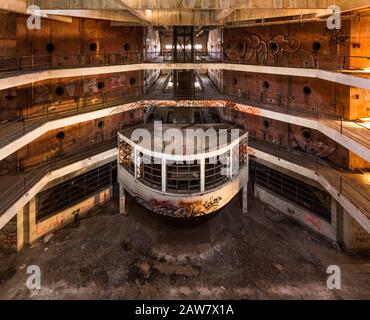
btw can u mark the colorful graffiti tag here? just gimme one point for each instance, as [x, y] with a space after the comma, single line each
[181, 209]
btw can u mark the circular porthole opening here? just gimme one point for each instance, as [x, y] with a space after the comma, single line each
[93, 47]
[50, 47]
[306, 135]
[307, 90]
[101, 85]
[266, 85]
[10, 97]
[266, 124]
[60, 135]
[132, 81]
[101, 124]
[240, 46]
[59, 91]
[316, 46]
[126, 47]
[273, 46]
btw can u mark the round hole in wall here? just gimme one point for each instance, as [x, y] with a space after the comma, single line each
[60, 135]
[266, 124]
[132, 81]
[316, 46]
[101, 124]
[101, 85]
[273, 46]
[307, 90]
[234, 81]
[126, 47]
[240, 46]
[93, 46]
[306, 134]
[266, 85]
[50, 47]
[59, 91]
[10, 97]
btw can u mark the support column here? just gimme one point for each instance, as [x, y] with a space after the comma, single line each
[164, 175]
[20, 229]
[202, 174]
[245, 198]
[337, 220]
[122, 200]
[32, 221]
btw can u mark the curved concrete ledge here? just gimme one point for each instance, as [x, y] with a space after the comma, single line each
[179, 205]
[101, 159]
[349, 143]
[351, 208]
[337, 77]
[111, 154]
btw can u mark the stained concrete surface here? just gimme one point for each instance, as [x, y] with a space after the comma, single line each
[107, 256]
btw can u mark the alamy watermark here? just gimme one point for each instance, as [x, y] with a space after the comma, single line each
[334, 281]
[187, 143]
[34, 280]
[334, 22]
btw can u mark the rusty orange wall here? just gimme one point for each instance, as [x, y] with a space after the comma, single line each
[77, 137]
[8, 35]
[360, 40]
[76, 37]
[118, 43]
[288, 92]
[289, 44]
[291, 136]
[360, 47]
[63, 94]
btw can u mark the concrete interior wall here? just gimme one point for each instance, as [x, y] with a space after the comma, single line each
[288, 44]
[290, 136]
[293, 93]
[58, 95]
[86, 134]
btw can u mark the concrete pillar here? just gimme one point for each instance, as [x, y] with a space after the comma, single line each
[20, 229]
[245, 198]
[337, 220]
[122, 200]
[32, 221]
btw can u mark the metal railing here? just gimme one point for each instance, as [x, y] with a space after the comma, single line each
[15, 190]
[300, 108]
[21, 126]
[60, 61]
[356, 195]
[13, 130]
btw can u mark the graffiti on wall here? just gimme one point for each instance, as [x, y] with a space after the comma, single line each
[8, 235]
[181, 209]
[313, 143]
[277, 50]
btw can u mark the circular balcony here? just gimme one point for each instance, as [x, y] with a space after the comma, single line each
[183, 170]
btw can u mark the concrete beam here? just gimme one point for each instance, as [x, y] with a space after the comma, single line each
[76, 4]
[19, 6]
[139, 14]
[225, 4]
[331, 76]
[103, 158]
[355, 212]
[120, 16]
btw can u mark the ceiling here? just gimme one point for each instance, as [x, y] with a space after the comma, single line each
[184, 12]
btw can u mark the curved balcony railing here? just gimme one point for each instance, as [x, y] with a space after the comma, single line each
[26, 180]
[58, 61]
[351, 185]
[186, 173]
[22, 64]
[356, 131]
[15, 129]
